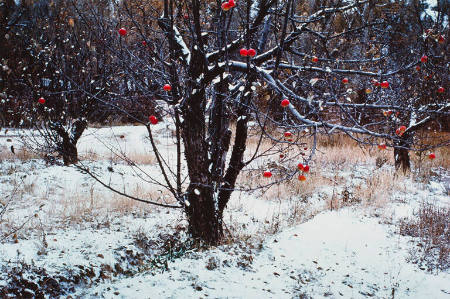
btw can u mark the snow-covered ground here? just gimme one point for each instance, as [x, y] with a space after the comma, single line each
[62, 232]
[336, 254]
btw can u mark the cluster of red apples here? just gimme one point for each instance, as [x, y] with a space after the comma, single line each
[424, 59]
[300, 166]
[250, 52]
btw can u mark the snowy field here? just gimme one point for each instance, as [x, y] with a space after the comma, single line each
[338, 236]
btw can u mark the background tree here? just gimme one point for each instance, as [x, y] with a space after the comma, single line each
[58, 66]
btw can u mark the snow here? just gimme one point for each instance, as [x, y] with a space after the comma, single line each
[179, 40]
[337, 254]
[353, 252]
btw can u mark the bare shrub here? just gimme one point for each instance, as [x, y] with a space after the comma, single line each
[430, 225]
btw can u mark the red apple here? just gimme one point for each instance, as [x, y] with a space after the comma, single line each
[375, 82]
[306, 168]
[400, 130]
[167, 87]
[314, 59]
[384, 84]
[153, 120]
[41, 101]
[251, 52]
[345, 81]
[281, 156]
[290, 140]
[267, 174]
[226, 6]
[424, 58]
[287, 134]
[300, 166]
[285, 103]
[243, 52]
[122, 31]
[231, 3]
[301, 178]
[382, 146]
[432, 156]
[417, 68]
[144, 43]
[441, 89]
[186, 16]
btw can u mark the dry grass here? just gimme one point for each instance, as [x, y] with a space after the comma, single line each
[431, 226]
[79, 208]
[21, 154]
[19, 215]
[377, 188]
[131, 157]
[341, 149]
[142, 158]
[442, 153]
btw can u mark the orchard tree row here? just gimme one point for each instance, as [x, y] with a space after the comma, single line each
[222, 72]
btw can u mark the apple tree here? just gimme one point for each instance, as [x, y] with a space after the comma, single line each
[221, 73]
[55, 73]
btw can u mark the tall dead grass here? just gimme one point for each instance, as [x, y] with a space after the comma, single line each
[21, 154]
[430, 226]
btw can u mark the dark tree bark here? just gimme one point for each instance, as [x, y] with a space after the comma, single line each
[200, 208]
[401, 153]
[67, 145]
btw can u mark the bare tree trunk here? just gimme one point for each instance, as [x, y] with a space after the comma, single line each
[401, 153]
[201, 207]
[67, 148]
[205, 223]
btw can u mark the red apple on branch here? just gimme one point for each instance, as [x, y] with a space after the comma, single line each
[285, 103]
[267, 174]
[243, 52]
[122, 31]
[153, 120]
[226, 6]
